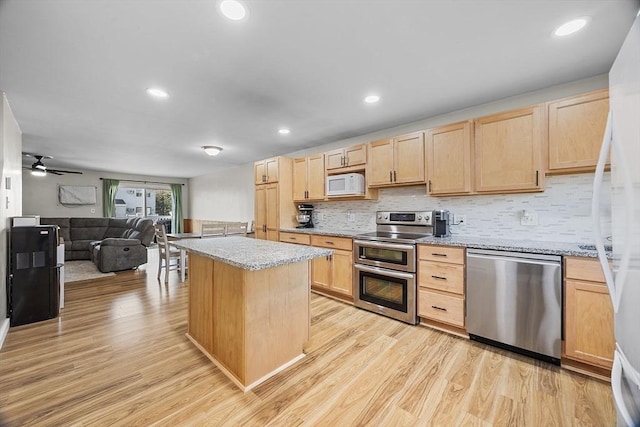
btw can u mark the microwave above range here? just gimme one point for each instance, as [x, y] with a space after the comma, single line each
[348, 184]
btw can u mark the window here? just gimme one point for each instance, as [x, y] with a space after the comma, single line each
[155, 204]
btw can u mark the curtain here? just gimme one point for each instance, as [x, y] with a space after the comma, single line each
[176, 201]
[109, 190]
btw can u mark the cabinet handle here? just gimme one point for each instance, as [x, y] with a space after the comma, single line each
[438, 308]
[292, 238]
[329, 243]
[429, 186]
[341, 161]
[435, 254]
[439, 277]
[346, 161]
[390, 176]
[394, 177]
[537, 178]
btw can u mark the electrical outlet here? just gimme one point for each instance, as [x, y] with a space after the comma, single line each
[529, 218]
[351, 216]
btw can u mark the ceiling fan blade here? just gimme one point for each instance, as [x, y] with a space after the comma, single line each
[60, 172]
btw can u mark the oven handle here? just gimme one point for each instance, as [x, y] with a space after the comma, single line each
[384, 271]
[384, 245]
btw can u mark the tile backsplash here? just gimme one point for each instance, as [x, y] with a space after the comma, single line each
[563, 210]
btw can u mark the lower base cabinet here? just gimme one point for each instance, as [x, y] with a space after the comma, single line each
[333, 274]
[589, 335]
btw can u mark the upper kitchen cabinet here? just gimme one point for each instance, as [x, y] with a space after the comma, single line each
[308, 178]
[448, 154]
[346, 159]
[396, 161]
[267, 171]
[576, 129]
[508, 151]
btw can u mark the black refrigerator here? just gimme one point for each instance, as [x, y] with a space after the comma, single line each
[34, 276]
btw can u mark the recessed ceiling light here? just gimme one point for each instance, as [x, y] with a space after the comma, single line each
[284, 131]
[571, 27]
[211, 150]
[233, 9]
[157, 92]
[372, 99]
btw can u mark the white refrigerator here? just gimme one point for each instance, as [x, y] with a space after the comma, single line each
[622, 141]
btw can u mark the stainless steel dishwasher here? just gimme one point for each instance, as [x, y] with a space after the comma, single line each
[514, 301]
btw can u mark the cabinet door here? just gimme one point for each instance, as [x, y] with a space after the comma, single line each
[576, 128]
[356, 155]
[334, 159]
[589, 335]
[380, 166]
[342, 272]
[271, 196]
[260, 172]
[508, 151]
[300, 179]
[448, 153]
[261, 211]
[321, 272]
[271, 169]
[315, 177]
[408, 153]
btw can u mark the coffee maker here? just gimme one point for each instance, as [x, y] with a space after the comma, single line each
[305, 216]
[441, 223]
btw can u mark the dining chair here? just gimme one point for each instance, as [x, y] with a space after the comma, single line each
[237, 228]
[166, 253]
[213, 230]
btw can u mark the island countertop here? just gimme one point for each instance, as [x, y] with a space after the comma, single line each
[250, 254]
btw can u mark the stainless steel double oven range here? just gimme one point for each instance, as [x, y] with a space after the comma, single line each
[384, 270]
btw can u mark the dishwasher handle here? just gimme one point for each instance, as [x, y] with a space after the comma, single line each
[520, 258]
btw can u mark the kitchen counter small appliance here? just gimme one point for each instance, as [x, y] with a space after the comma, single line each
[305, 216]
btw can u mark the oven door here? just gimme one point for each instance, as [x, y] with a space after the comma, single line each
[386, 255]
[387, 292]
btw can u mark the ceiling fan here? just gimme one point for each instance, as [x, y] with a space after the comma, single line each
[39, 169]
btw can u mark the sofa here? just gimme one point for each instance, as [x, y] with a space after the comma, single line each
[113, 244]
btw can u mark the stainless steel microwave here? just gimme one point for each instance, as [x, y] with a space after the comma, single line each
[347, 184]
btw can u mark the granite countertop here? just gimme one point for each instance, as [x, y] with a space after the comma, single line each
[530, 246]
[250, 254]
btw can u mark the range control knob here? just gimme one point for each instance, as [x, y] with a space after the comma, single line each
[386, 217]
[419, 218]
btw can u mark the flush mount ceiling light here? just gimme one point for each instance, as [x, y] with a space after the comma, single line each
[211, 150]
[284, 131]
[372, 99]
[571, 27]
[233, 10]
[156, 92]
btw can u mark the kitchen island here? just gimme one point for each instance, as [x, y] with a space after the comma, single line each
[249, 304]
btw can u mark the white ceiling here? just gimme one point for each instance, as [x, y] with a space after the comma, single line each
[75, 72]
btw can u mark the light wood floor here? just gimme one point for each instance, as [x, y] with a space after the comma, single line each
[117, 355]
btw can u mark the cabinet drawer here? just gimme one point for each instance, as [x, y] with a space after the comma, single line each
[440, 307]
[583, 269]
[444, 277]
[299, 238]
[441, 254]
[332, 242]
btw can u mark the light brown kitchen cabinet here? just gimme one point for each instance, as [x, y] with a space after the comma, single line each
[298, 238]
[268, 170]
[576, 129]
[508, 151]
[589, 336]
[396, 161]
[273, 207]
[448, 151]
[441, 280]
[308, 178]
[333, 274]
[346, 158]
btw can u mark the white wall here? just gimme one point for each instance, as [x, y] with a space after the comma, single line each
[229, 194]
[11, 198]
[40, 194]
[224, 196]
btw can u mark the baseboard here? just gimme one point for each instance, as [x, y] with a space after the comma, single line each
[4, 330]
